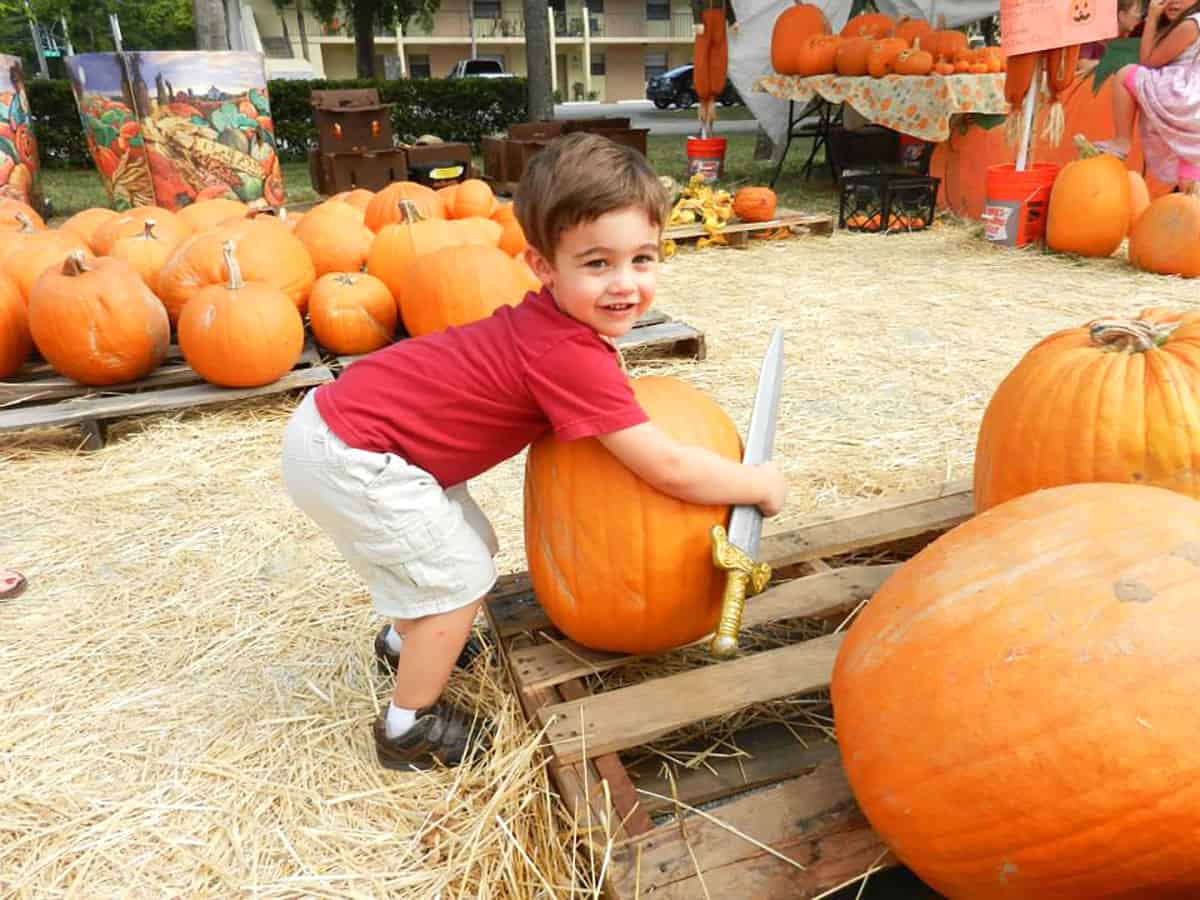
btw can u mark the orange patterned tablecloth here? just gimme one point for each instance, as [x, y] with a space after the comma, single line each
[917, 105]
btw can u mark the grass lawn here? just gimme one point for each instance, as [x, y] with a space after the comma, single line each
[70, 190]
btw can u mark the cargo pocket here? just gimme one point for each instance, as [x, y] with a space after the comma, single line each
[418, 554]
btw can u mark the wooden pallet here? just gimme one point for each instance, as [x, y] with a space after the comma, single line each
[653, 335]
[38, 397]
[790, 798]
[738, 234]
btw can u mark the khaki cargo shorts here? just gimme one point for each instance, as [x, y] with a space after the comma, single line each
[421, 550]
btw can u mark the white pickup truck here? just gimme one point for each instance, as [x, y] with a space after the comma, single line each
[479, 68]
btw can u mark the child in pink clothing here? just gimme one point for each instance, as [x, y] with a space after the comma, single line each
[1165, 88]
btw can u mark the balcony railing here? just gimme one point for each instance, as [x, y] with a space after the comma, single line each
[456, 23]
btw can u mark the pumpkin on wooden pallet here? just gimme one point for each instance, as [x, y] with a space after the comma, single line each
[205, 214]
[147, 253]
[336, 237]
[27, 255]
[617, 565]
[95, 321]
[87, 222]
[754, 204]
[1114, 400]
[168, 225]
[239, 334]
[384, 208]
[457, 285]
[1015, 706]
[351, 313]
[15, 341]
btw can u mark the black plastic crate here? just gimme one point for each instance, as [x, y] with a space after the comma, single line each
[886, 203]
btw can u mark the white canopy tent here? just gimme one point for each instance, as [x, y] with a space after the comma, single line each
[750, 43]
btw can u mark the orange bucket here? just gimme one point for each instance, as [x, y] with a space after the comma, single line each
[1014, 213]
[706, 157]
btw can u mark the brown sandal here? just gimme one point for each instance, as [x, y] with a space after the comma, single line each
[12, 584]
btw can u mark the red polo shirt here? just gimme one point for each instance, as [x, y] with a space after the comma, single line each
[460, 401]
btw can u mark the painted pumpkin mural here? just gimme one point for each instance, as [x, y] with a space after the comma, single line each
[172, 128]
[19, 166]
[976, 143]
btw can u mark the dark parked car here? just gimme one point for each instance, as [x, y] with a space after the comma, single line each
[675, 86]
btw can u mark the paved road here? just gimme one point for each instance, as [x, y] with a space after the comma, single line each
[642, 114]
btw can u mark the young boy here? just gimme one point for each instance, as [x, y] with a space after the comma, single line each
[380, 458]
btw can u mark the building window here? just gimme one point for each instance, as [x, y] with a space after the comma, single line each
[658, 10]
[597, 63]
[418, 66]
[594, 6]
[656, 64]
[487, 9]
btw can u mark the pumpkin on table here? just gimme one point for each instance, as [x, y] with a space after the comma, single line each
[1015, 706]
[869, 25]
[1108, 401]
[794, 26]
[351, 312]
[95, 321]
[457, 285]
[852, 55]
[239, 334]
[616, 564]
[15, 341]
[267, 251]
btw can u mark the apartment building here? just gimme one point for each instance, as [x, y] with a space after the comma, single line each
[604, 50]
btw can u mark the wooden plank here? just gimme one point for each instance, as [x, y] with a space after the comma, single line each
[616, 720]
[101, 408]
[786, 219]
[770, 753]
[812, 820]
[676, 336]
[871, 524]
[835, 592]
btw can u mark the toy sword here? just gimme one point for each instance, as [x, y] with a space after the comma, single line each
[735, 552]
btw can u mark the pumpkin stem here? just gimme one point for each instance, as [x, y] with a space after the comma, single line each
[410, 213]
[26, 222]
[1130, 335]
[344, 278]
[148, 230]
[1086, 148]
[235, 271]
[75, 264]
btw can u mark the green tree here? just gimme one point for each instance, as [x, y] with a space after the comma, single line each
[365, 15]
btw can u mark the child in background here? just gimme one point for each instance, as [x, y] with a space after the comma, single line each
[1164, 88]
[379, 459]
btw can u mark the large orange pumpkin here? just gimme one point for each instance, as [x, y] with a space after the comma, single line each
[351, 312]
[86, 222]
[1166, 238]
[754, 204]
[881, 58]
[11, 213]
[1015, 706]
[917, 32]
[869, 25]
[458, 285]
[168, 225]
[236, 334]
[472, 198]
[384, 208]
[267, 251]
[399, 245]
[791, 28]
[1139, 197]
[1109, 401]
[638, 578]
[15, 341]
[31, 254]
[1089, 206]
[147, 253]
[851, 56]
[817, 55]
[205, 214]
[359, 198]
[95, 321]
[336, 238]
[913, 62]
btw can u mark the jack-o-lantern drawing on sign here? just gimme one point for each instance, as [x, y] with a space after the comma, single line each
[1081, 11]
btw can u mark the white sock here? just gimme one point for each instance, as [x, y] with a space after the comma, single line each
[393, 640]
[399, 720]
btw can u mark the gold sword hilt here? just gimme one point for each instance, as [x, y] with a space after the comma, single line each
[743, 578]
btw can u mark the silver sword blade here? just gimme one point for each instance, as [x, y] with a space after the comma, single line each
[745, 522]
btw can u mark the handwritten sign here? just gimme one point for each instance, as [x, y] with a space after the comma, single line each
[1027, 26]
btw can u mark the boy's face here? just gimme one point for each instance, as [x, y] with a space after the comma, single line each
[604, 272]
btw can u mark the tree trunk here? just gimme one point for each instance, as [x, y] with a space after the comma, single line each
[209, 20]
[537, 61]
[364, 38]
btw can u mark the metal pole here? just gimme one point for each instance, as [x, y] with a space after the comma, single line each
[553, 53]
[471, 24]
[35, 30]
[1027, 113]
[587, 54]
[67, 38]
[400, 50]
[115, 24]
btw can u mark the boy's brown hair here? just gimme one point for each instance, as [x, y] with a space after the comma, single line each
[578, 178]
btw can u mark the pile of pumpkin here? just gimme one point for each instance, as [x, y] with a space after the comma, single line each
[99, 296]
[1096, 203]
[873, 44]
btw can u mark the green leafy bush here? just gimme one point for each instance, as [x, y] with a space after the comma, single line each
[460, 110]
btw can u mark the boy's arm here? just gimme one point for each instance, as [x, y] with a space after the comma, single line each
[694, 474]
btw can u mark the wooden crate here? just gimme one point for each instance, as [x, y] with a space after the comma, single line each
[738, 234]
[37, 397]
[790, 798]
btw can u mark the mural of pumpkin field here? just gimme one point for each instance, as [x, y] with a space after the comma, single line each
[168, 129]
[18, 148]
